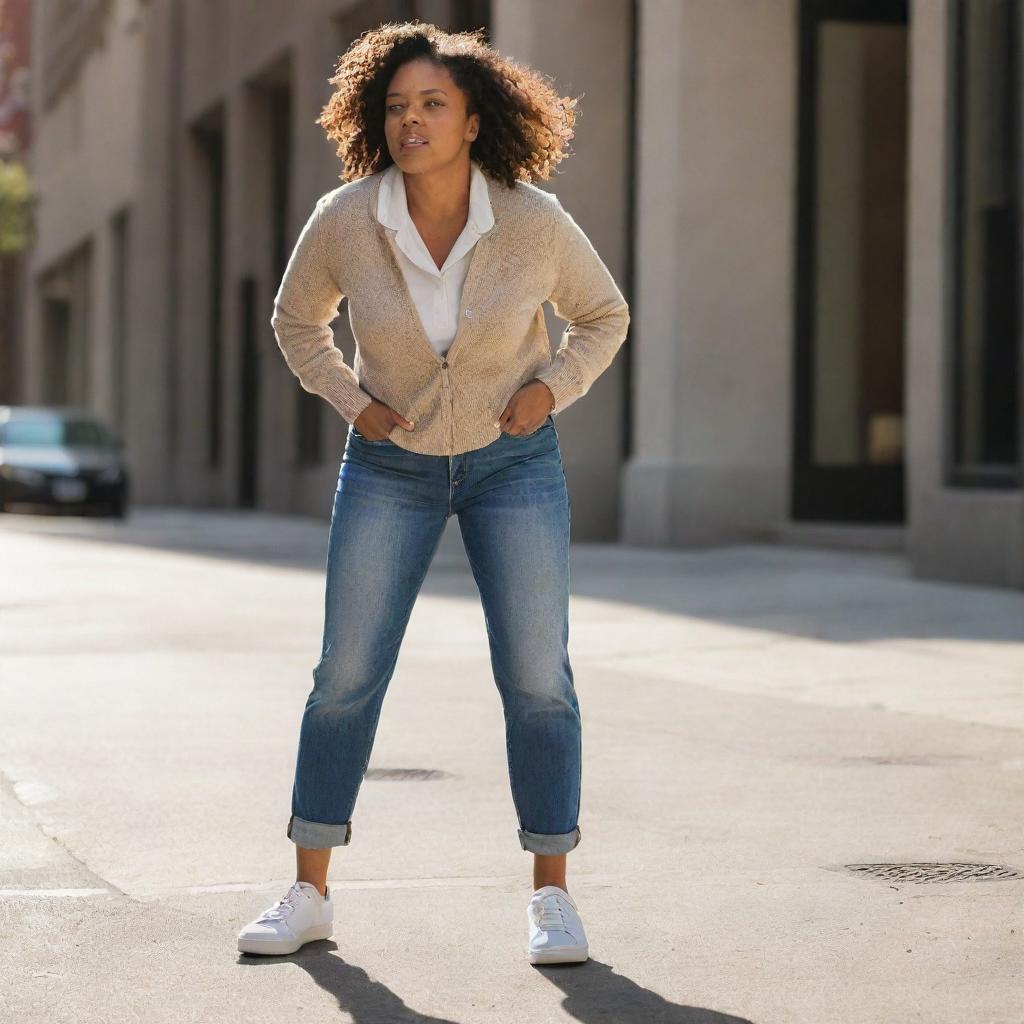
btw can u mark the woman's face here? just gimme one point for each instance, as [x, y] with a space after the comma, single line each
[424, 102]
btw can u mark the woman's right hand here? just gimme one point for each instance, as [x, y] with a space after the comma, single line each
[377, 421]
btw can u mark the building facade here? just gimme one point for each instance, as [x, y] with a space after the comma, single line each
[812, 206]
[86, 77]
[15, 193]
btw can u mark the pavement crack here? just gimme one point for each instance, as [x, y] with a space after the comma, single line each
[7, 784]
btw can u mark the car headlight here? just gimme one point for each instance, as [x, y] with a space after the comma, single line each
[109, 475]
[22, 475]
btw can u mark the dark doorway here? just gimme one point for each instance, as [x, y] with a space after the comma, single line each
[848, 416]
[58, 349]
[248, 392]
[210, 135]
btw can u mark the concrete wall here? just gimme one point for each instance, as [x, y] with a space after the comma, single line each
[714, 327]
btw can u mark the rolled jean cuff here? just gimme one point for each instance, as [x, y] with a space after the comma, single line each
[539, 842]
[315, 835]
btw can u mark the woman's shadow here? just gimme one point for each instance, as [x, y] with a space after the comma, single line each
[593, 993]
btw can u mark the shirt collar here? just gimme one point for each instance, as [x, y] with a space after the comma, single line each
[393, 208]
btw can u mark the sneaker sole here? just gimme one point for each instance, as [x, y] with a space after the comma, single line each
[561, 955]
[281, 947]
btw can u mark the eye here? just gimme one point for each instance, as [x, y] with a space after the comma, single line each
[395, 106]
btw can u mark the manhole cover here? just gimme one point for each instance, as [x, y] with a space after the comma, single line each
[406, 774]
[954, 871]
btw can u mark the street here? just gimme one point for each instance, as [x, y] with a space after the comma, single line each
[758, 721]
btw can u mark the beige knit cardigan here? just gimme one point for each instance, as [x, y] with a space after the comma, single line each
[534, 252]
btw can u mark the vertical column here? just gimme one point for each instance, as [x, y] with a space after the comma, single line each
[714, 323]
[658, 320]
[150, 293]
[244, 235]
[588, 54]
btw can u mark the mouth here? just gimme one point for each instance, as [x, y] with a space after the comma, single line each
[413, 143]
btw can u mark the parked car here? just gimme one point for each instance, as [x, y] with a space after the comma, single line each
[60, 457]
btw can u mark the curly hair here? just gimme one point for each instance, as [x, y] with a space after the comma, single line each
[525, 126]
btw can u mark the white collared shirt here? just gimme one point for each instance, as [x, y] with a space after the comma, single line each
[436, 293]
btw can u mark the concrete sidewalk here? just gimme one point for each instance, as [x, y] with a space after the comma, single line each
[761, 725]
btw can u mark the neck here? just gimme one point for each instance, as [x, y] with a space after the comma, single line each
[441, 195]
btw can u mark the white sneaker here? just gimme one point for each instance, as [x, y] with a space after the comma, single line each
[302, 915]
[556, 931]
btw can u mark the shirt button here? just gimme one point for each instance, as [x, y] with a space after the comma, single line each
[444, 364]
[469, 312]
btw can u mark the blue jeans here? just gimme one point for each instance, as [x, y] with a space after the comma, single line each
[390, 510]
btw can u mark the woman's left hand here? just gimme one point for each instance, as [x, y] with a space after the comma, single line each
[527, 409]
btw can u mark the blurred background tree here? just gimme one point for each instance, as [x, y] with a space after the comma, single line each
[15, 206]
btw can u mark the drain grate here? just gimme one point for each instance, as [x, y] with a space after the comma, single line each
[407, 774]
[952, 871]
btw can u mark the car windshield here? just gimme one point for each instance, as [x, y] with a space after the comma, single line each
[55, 432]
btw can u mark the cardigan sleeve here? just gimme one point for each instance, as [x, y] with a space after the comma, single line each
[306, 303]
[586, 295]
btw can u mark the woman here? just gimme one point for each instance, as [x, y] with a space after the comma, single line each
[446, 251]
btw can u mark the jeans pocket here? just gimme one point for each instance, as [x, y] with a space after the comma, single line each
[548, 424]
[365, 440]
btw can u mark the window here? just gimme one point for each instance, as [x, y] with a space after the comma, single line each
[985, 368]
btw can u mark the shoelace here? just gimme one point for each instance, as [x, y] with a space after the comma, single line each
[284, 906]
[548, 914]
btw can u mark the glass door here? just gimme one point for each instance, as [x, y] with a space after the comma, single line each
[848, 416]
